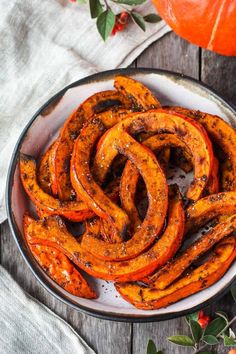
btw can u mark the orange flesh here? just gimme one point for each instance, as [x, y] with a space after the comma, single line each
[62, 271]
[223, 134]
[95, 104]
[159, 121]
[76, 211]
[201, 278]
[53, 233]
[152, 225]
[209, 208]
[177, 266]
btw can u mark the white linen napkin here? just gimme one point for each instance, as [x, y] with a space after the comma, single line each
[45, 45]
[29, 327]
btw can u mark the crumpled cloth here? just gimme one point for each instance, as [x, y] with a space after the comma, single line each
[29, 327]
[44, 46]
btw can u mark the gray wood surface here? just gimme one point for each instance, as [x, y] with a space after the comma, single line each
[171, 53]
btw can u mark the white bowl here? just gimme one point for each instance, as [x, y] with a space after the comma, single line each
[170, 88]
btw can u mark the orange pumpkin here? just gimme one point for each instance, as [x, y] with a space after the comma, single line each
[210, 24]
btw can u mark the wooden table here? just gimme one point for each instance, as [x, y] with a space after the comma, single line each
[106, 337]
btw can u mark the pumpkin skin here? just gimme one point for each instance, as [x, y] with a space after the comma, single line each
[210, 24]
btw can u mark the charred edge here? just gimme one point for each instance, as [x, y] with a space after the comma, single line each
[105, 105]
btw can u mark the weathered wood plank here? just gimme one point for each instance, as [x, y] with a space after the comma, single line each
[219, 72]
[172, 53]
[105, 337]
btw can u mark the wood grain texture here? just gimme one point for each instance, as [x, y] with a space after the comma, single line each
[219, 72]
[105, 337]
[172, 53]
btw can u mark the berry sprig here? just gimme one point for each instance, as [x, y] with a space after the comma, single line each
[121, 22]
[109, 23]
[203, 319]
[205, 332]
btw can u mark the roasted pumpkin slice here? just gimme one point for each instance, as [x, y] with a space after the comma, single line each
[62, 271]
[159, 121]
[51, 164]
[223, 134]
[52, 232]
[76, 211]
[213, 183]
[156, 186]
[82, 179]
[130, 174]
[95, 104]
[182, 159]
[141, 97]
[177, 266]
[150, 298]
[43, 173]
[209, 208]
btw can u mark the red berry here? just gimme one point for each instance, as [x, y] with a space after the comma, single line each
[123, 17]
[232, 351]
[201, 314]
[114, 30]
[203, 323]
[119, 27]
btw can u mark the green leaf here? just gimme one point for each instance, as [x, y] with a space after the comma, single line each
[195, 330]
[95, 8]
[229, 342]
[160, 352]
[152, 18]
[151, 348]
[130, 2]
[105, 23]
[211, 340]
[192, 316]
[223, 315]
[185, 341]
[233, 291]
[81, 2]
[215, 327]
[138, 19]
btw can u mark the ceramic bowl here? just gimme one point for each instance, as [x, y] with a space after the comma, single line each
[170, 88]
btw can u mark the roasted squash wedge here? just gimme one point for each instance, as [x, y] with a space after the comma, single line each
[52, 232]
[159, 121]
[177, 266]
[213, 185]
[97, 103]
[141, 97]
[76, 211]
[209, 208]
[62, 271]
[43, 172]
[181, 159]
[156, 186]
[130, 174]
[51, 164]
[149, 298]
[223, 134]
[82, 179]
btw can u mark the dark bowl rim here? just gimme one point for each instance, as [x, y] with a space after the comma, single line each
[101, 76]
